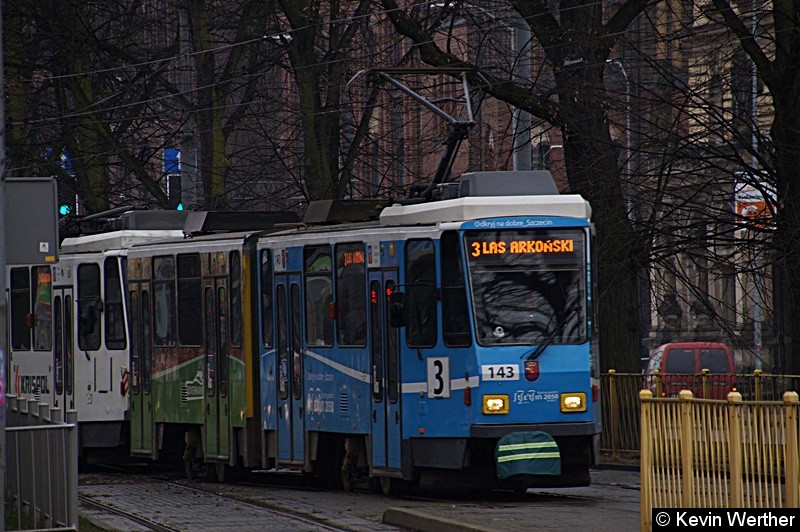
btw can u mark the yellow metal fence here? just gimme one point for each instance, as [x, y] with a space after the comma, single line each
[620, 400]
[706, 453]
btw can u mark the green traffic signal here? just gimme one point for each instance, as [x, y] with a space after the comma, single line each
[64, 210]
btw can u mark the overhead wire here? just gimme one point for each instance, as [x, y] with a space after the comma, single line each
[171, 96]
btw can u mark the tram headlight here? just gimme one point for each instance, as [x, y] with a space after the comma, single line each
[495, 404]
[573, 402]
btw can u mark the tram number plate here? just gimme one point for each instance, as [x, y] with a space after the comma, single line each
[500, 372]
[439, 377]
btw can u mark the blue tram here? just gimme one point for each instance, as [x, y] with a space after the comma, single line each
[447, 343]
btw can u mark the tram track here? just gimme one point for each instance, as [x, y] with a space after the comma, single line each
[236, 493]
[107, 508]
[278, 501]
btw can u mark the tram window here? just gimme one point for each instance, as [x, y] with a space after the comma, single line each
[319, 296]
[89, 304]
[147, 343]
[528, 286]
[135, 337]
[58, 348]
[351, 279]
[236, 298]
[283, 342]
[211, 342]
[112, 305]
[222, 354]
[20, 309]
[189, 296]
[455, 321]
[42, 283]
[421, 293]
[392, 364]
[297, 361]
[68, 351]
[266, 298]
[164, 301]
[376, 351]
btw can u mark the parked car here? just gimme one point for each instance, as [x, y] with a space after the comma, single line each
[681, 366]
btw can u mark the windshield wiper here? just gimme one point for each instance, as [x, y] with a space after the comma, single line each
[557, 330]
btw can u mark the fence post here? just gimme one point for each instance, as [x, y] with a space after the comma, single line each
[791, 405]
[704, 379]
[735, 449]
[757, 384]
[658, 382]
[645, 498]
[687, 451]
[614, 411]
[72, 468]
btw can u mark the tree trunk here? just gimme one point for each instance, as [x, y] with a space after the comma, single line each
[785, 133]
[594, 173]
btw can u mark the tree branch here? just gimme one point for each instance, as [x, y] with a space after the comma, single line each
[746, 37]
[508, 91]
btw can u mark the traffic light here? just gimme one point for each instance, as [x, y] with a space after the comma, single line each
[64, 209]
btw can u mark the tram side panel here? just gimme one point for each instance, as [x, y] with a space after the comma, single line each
[200, 331]
[31, 364]
[101, 347]
[314, 369]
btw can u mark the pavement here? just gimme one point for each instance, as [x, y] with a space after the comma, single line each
[613, 497]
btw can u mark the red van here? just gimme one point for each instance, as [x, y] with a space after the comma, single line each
[681, 366]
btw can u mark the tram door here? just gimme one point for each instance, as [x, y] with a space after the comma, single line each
[291, 441]
[217, 409]
[63, 349]
[141, 364]
[384, 349]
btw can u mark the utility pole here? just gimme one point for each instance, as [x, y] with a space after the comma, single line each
[757, 300]
[3, 308]
[188, 150]
[521, 120]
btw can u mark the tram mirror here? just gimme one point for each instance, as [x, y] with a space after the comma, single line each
[397, 309]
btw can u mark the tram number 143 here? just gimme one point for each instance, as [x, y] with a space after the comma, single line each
[500, 372]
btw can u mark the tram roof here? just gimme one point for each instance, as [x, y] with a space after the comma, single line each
[121, 239]
[481, 207]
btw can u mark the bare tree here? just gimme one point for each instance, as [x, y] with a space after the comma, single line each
[72, 113]
[767, 32]
[577, 39]
[319, 39]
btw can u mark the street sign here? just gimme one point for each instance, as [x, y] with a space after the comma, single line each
[31, 220]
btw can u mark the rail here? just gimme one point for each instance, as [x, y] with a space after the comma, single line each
[708, 453]
[620, 439]
[41, 484]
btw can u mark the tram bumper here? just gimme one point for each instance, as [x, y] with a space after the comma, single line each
[527, 453]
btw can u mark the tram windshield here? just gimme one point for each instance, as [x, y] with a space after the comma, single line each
[528, 286]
